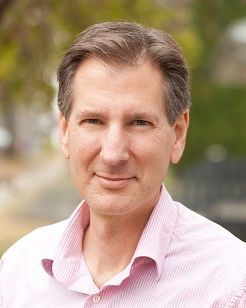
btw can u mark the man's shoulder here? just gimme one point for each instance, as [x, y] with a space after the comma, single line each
[37, 241]
[208, 241]
[203, 252]
[199, 230]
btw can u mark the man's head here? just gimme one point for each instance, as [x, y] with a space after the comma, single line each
[127, 44]
[121, 124]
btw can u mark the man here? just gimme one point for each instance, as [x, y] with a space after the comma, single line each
[124, 102]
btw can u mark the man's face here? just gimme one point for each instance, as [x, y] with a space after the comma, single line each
[118, 140]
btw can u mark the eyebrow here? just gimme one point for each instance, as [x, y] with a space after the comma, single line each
[87, 113]
[131, 115]
[143, 115]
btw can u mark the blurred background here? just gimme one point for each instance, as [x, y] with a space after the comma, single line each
[34, 180]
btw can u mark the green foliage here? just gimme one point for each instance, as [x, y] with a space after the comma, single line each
[25, 47]
[8, 57]
[217, 115]
[191, 45]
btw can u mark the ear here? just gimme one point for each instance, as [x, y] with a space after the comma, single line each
[180, 131]
[63, 135]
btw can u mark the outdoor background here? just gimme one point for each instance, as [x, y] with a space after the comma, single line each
[34, 180]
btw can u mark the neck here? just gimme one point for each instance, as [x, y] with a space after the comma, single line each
[110, 242]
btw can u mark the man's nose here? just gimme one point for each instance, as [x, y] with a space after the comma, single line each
[114, 148]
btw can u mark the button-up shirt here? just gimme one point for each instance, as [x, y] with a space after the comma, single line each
[182, 260]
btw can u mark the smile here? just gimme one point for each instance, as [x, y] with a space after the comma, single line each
[113, 182]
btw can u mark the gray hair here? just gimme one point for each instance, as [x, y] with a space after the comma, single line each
[124, 43]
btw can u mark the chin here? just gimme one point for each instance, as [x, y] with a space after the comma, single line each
[112, 206]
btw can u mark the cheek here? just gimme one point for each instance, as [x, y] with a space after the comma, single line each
[154, 147]
[154, 156]
[83, 148]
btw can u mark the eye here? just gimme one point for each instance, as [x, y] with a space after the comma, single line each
[92, 121]
[140, 123]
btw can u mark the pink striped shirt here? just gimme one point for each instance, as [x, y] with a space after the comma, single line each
[182, 260]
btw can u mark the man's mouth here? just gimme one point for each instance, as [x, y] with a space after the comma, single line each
[113, 182]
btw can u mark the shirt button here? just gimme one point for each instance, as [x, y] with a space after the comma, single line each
[96, 298]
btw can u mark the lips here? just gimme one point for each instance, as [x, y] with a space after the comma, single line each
[114, 182]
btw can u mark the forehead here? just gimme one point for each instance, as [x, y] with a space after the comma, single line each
[98, 82]
[144, 71]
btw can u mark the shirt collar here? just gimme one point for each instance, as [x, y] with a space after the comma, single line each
[157, 234]
[64, 260]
